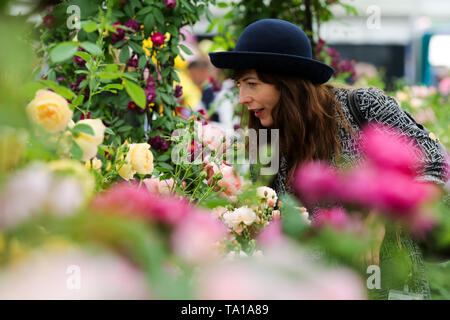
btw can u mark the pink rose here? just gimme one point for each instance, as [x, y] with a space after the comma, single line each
[214, 138]
[156, 186]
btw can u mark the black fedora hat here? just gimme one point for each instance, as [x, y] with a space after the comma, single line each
[275, 46]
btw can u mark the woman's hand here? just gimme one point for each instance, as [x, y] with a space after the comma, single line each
[377, 231]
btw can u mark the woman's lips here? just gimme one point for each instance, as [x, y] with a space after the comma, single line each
[258, 112]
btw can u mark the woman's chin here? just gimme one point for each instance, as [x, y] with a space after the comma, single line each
[266, 123]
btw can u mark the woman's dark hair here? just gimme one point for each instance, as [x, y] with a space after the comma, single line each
[306, 117]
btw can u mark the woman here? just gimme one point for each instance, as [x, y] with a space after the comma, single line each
[284, 88]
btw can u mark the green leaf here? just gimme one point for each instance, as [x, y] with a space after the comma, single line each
[76, 151]
[185, 49]
[85, 56]
[145, 10]
[163, 158]
[222, 5]
[112, 67]
[142, 61]
[149, 23]
[79, 100]
[109, 131]
[90, 26]
[63, 91]
[136, 48]
[83, 128]
[158, 16]
[124, 54]
[165, 166]
[136, 93]
[63, 51]
[92, 48]
[115, 86]
[104, 75]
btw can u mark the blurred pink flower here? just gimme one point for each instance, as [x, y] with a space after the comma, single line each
[391, 192]
[335, 217]
[384, 148]
[196, 237]
[285, 272]
[444, 86]
[73, 274]
[156, 186]
[316, 182]
[271, 234]
[425, 116]
[136, 201]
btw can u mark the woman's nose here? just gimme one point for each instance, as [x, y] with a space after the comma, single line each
[243, 97]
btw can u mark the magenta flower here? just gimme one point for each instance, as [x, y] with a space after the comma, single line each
[132, 24]
[158, 143]
[133, 62]
[157, 39]
[178, 91]
[393, 193]
[49, 19]
[317, 182]
[387, 151]
[132, 106]
[75, 86]
[151, 82]
[150, 94]
[78, 60]
[119, 34]
[170, 4]
[88, 116]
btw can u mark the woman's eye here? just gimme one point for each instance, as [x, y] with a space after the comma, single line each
[252, 84]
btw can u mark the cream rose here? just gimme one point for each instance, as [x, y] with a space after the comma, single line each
[139, 159]
[89, 143]
[50, 110]
[234, 219]
[268, 195]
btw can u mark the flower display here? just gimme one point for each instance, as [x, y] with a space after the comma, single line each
[50, 110]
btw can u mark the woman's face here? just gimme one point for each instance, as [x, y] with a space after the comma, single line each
[259, 97]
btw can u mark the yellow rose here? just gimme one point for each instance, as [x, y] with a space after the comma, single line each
[50, 110]
[139, 159]
[96, 164]
[126, 171]
[89, 143]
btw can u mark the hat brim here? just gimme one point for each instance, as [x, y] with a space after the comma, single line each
[311, 69]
